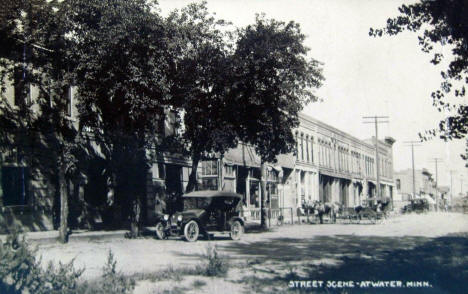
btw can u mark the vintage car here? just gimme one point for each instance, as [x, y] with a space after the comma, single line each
[204, 212]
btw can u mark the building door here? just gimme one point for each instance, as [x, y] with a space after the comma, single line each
[254, 193]
[174, 178]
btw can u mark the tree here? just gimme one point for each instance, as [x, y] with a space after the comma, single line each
[440, 23]
[272, 81]
[40, 131]
[123, 62]
[202, 83]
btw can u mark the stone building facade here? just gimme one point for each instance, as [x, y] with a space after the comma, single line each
[333, 166]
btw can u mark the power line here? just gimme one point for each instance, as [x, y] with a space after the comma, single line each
[376, 120]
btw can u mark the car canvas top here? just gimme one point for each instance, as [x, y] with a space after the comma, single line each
[211, 193]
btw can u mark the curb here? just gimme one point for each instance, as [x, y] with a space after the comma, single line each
[51, 237]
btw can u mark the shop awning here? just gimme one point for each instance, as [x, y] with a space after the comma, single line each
[286, 160]
[245, 156]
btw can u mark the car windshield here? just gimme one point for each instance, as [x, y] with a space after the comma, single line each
[194, 202]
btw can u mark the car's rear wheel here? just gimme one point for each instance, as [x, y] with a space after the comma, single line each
[191, 231]
[236, 230]
[160, 234]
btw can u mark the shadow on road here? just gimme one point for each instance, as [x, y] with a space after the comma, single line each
[442, 261]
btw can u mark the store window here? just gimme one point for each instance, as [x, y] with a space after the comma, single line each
[210, 168]
[229, 171]
[254, 194]
[210, 184]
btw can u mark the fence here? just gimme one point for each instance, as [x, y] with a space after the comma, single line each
[278, 216]
[274, 216]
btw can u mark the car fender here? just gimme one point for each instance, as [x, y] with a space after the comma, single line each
[236, 218]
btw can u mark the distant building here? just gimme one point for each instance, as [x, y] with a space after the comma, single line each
[329, 166]
[424, 183]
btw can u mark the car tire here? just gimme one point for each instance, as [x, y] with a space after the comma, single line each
[237, 229]
[191, 231]
[160, 234]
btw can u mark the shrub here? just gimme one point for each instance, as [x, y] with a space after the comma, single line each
[21, 272]
[216, 265]
[113, 281]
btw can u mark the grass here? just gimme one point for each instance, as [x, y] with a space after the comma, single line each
[213, 265]
[198, 284]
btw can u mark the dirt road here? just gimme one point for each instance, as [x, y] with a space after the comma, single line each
[299, 243]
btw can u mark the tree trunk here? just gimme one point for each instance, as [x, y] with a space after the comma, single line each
[62, 183]
[192, 183]
[263, 196]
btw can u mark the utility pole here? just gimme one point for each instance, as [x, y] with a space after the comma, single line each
[412, 144]
[461, 185]
[376, 120]
[451, 186]
[436, 160]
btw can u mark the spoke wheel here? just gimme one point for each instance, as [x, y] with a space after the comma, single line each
[191, 231]
[160, 234]
[236, 230]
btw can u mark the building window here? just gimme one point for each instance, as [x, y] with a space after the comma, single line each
[297, 146]
[312, 149]
[21, 87]
[272, 175]
[302, 147]
[15, 185]
[210, 184]
[229, 171]
[210, 168]
[68, 91]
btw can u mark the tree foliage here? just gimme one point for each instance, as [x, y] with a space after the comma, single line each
[202, 84]
[273, 79]
[440, 23]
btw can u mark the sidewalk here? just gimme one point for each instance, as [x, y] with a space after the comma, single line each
[48, 237]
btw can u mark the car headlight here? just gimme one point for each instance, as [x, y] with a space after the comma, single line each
[179, 218]
[166, 217]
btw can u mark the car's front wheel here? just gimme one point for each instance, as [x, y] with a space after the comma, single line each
[160, 234]
[191, 231]
[236, 230]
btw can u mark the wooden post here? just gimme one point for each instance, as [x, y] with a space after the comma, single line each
[263, 194]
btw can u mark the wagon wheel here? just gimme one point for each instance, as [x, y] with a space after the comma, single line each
[191, 231]
[236, 230]
[160, 234]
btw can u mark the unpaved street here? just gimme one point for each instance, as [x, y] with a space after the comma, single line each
[319, 244]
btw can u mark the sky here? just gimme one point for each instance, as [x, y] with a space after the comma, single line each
[364, 76]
